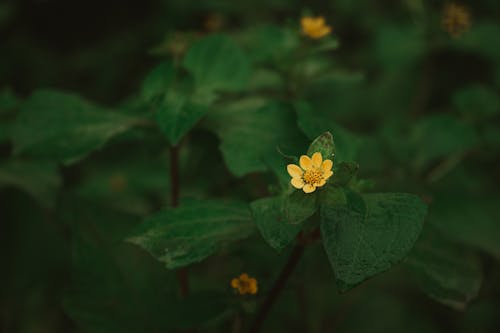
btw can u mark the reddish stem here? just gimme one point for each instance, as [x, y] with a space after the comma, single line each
[182, 274]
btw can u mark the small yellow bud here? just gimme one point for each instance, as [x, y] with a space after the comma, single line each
[315, 27]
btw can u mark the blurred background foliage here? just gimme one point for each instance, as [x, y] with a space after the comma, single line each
[410, 94]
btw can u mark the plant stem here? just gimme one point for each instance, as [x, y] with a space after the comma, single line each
[277, 287]
[174, 175]
[182, 274]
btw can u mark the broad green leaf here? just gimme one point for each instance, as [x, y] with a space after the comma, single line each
[270, 44]
[272, 222]
[481, 39]
[362, 243]
[217, 63]
[179, 111]
[64, 126]
[40, 179]
[251, 130]
[399, 46]
[110, 279]
[332, 196]
[323, 144]
[299, 206]
[469, 220]
[189, 234]
[178, 106]
[446, 272]
[127, 184]
[439, 136]
[343, 172]
[264, 79]
[477, 102]
[314, 124]
[158, 81]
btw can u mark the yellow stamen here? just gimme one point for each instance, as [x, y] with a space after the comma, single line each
[313, 176]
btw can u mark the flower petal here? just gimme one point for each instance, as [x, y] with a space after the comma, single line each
[317, 159]
[327, 174]
[294, 170]
[253, 288]
[327, 165]
[297, 183]
[320, 21]
[320, 183]
[308, 188]
[305, 162]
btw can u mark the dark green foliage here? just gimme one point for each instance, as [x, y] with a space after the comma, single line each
[64, 127]
[143, 166]
[191, 233]
[368, 237]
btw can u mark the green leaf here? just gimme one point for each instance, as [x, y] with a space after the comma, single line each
[40, 179]
[399, 46]
[179, 111]
[299, 206]
[189, 234]
[477, 101]
[343, 172]
[110, 278]
[469, 220]
[324, 145]
[217, 63]
[312, 123]
[251, 129]
[158, 81]
[178, 106]
[439, 136]
[272, 222]
[446, 272]
[332, 196]
[64, 126]
[270, 44]
[481, 40]
[362, 243]
[127, 183]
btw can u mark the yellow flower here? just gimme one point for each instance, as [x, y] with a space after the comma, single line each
[313, 172]
[456, 19]
[245, 284]
[314, 27]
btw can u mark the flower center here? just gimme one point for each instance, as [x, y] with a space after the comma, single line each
[313, 176]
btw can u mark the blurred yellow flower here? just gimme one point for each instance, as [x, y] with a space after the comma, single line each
[245, 284]
[312, 173]
[315, 27]
[456, 19]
